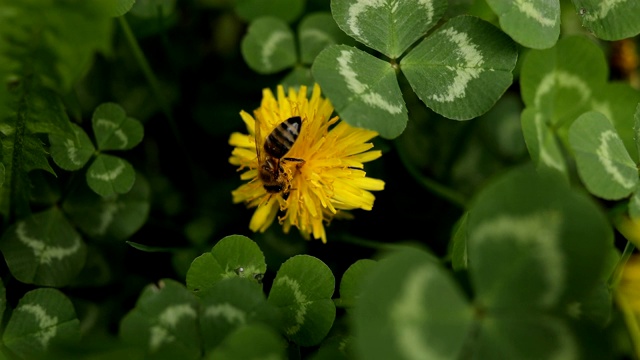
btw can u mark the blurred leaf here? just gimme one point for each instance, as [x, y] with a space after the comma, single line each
[110, 175]
[317, 31]
[117, 216]
[153, 8]
[526, 336]
[610, 20]
[501, 130]
[363, 89]
[634, 205]
[459, 257]
[597, 306]
[43, 249]
[114, 130]
[302, 289]
[375, 23]
[533, 243]
[300, 75]
[97, 270]
[164, 322]
[42, 317]
[534, 24]
[121, 7]
[618, 102]
[351, 283]
[203, 273]
[559, 82]
[151, 249]
[462, 69]
[603, 163]
[335, 348]
[72, 150]
[231, 304]
[410, 308]
[3, 300]
[286, 10]
[636, 127]
[265, 344]
[268, 47]
[542, 143]
[232, 256]
[46, 56]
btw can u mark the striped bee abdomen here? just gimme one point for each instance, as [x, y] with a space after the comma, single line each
[281, 139]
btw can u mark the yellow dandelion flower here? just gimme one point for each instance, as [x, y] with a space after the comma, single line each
[627, 295]
[320, 175]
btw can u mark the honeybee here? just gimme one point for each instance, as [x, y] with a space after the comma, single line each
[276, 146]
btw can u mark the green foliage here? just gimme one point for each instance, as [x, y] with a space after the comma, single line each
[287, 10]
[364, 91]
[506, 235]
[42, 318]
[561, 83]
[534, 24]
[268, 46]
[603, 163]
[375, 24]
[164, 322]
[469, 83]
[303, 289]
[610, 20]
[410, 307]
[43, 249]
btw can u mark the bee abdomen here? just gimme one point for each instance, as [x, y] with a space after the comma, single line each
[281, 139]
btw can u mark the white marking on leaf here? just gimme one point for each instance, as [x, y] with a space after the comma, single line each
[315, 35]
[106, 123]
[532, 12]
[358, 8]
[43, 252]
[168, 320]
[271, 44]
[122, 137]
[72, 152]
[539, 234]
[469, 69]
[603, 10]
[561, 78]
[46, 323]
[408, 317]
[604, 157]
[369, 97]
[109, 175]
[230, 313]
[546, 157]
[109, 210]
[299, 299]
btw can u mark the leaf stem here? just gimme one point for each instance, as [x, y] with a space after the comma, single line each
[629, 229]
[146, 70]
[429, 184]
[155, 88]
[616, 275]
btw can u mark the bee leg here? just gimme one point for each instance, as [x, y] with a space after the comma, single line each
[294, 160]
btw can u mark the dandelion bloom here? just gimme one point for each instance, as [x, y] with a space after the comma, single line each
[323, 168]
